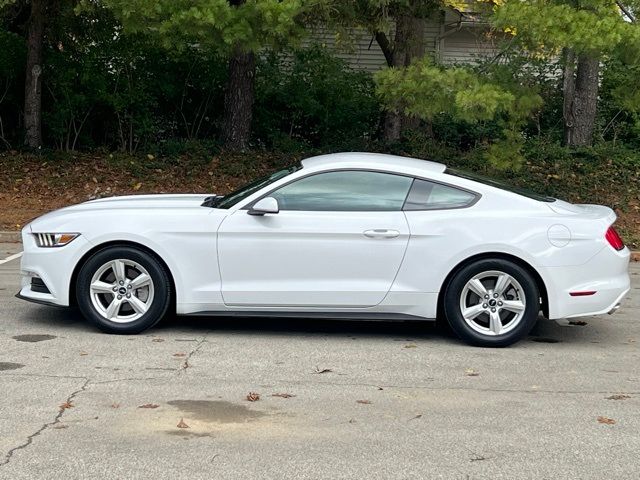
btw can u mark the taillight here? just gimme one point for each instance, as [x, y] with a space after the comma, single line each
[614, 239]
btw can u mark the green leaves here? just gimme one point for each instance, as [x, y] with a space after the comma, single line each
[215, 24]
[426, 90]
[586, 26]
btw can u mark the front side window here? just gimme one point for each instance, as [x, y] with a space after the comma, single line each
[425, 195]
[231, 199]
[345, 191]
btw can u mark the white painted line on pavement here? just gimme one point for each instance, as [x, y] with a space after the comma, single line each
[12, 257]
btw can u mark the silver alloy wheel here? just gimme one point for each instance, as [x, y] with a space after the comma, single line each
[493, 303]
[121, 291]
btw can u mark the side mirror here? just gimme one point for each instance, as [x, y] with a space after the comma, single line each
[265, 205]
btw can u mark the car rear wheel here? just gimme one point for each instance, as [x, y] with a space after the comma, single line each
[123, 290]
[492, 303]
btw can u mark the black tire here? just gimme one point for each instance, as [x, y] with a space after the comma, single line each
[454, 291]
[158, 306]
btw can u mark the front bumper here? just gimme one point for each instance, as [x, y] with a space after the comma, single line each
[54, 266]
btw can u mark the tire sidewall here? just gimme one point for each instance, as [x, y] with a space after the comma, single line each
[158, 274]
[456, 286]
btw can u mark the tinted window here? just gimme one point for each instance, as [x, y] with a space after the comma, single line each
[426, 195]
[501, 185]
[345, 191]
[230, 200]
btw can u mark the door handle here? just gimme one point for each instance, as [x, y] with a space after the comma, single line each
[381, 233]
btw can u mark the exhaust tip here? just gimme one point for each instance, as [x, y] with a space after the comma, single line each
[614, 309]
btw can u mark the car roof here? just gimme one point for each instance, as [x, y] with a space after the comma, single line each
[375, 160]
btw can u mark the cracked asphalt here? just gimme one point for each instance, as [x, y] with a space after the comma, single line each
[368, 400]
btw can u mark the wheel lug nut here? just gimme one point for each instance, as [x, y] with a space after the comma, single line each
[128, 295]
[119, 297]
[499, 304]
[486, 296]
[484, 305]
[493, 310]
[115, 289]
[129, 287]
[495, 295]
[121, 282]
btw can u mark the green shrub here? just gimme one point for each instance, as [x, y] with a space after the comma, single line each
[313, 100]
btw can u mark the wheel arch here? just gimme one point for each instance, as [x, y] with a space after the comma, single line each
[542, 288]
[118, 243]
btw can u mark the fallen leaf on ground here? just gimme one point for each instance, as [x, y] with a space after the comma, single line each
[282, 395]
[115, 405]
[416, 417]
[61, 425]
[364, 402]
[411, 345]
[618, 396]
[66, 405]
[179, 354]
[253, 397]
[181, 424]
[606, 420]
[149, 405]
[158, 340]
[580, 323]
[470, 372]
[324, 370]
[137, 186]
[82, 354]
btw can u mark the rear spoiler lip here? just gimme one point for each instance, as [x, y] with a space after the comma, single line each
[587, 211]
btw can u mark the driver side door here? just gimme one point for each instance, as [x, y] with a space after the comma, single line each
[337, 240]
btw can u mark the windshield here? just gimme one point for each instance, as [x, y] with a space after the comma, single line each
[230, 200]
[501, 185]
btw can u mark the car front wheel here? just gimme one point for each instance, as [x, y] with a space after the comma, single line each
[123, 290]
[492, 303]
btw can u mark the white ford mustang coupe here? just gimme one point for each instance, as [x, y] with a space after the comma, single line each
[350, 235]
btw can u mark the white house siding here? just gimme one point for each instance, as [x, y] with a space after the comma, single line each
[448, 40]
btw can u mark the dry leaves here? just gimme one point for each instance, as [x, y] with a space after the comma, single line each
[580, 323]
[115, 405]
[180, 354]
[364, 402]
[149, 405]
[82, 354]
[470, 372]
[253, 397]
[324, 370]
[282, 395]
[606, 420]
[66, 405]
[181, 424]
[618, 396]
[411, 345]
[158, 340]
[60, 426]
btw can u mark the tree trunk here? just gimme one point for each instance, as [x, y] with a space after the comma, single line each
[581, 86]
[408, 44]
[238, 100]
[33, 80]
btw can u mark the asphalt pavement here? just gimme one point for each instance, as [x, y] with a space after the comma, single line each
[332, 399]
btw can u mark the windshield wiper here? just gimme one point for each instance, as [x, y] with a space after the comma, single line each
[213, 201]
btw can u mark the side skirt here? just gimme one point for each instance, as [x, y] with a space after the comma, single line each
[380, 316]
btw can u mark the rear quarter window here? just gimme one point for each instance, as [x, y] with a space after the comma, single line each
[426, 195]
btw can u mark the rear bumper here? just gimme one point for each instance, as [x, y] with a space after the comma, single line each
[606, 274]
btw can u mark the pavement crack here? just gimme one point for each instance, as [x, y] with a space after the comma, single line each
[55, 421]
[184, 365]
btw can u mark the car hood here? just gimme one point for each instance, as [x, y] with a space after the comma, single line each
[153, 204]
[144, 201]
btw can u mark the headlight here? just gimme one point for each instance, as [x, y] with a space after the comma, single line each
[54, 239]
